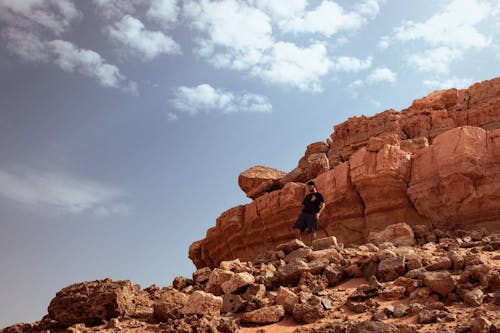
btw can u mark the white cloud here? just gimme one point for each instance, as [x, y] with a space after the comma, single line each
[453, 82]
[62, 194]
[296, 66]
[239, 37]
[66, 56]
[455, 26]
[164, 11]
[237, 34]
[352, 64]
[281, 10]
[435, 60]
[52, 15]
[327, 19]
[150, 44]
[382, 74]
[384, 42]
[115, 9]
[205, 98]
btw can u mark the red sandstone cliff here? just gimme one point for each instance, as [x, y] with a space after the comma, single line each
[436, 163]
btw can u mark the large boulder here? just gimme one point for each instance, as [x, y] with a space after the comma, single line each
[97, 301]
[258, 180]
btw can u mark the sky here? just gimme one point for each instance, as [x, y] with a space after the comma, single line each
[124, 124]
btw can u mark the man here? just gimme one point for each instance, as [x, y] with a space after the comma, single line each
[312, 206]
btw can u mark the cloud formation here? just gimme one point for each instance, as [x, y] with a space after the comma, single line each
[238, 36]
[67, 57]
[131, 32]
[448, 34]
[205, 98]
[54, 16]
[115, 9]
[352, 64]
[28, 24]
[62, 194]
[435, 60]
[453, 82]
[329, 18]
[382, 74]
[164, 11]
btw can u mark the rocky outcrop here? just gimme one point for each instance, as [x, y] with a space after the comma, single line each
[337, 288]
[435, 164]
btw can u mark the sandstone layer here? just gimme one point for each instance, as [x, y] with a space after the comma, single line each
[436, 164]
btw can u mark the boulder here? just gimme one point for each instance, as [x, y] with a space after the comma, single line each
[202, 303]
[399, 233]
[97, 301]
[259, 179]
[391, 268]
[237, 282]
[440, 282]
[263, 316]
[287, 298]
[169, 306]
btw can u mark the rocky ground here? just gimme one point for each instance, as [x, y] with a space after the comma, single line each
[404, 280]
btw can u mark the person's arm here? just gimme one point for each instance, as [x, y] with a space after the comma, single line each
[321, 207]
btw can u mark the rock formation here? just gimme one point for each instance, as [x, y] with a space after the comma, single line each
[450, 284]
[436, 164]
[409, 240]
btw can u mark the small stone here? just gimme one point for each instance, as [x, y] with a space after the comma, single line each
[474, 297]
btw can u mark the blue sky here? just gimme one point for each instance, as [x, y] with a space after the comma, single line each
[124, 124]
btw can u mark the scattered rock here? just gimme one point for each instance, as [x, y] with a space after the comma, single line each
[262, 316]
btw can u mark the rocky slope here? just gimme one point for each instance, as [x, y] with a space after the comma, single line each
[405, 280]
[436, 163]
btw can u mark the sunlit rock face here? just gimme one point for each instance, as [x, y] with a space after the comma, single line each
[436, 163]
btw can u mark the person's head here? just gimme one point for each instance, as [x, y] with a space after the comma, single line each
[311, 186]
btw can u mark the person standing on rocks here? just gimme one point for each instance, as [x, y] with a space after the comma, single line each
[312, 206]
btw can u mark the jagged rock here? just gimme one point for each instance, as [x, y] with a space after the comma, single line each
[312, 283]
[237, 282]
[291, 246]
[181, 282]
[309, 312]
[332, 255]
[169, 305]
[232, 303]
[258, 179]
[391, 268]
[301, 253]
[369, 326]
[202, 303]
[399, 233]
[287, 298]
[334, 274]
[93, 302]
[325, 243]
[392, 292]
[265, 315]
[440, 282]
[440, 265]
[400, 310]
[202, 275]
[217, 278]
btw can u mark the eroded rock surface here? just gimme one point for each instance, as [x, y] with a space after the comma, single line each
[435, 164]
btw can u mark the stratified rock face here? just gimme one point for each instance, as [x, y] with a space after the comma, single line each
[434, 164]
[456, 180]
